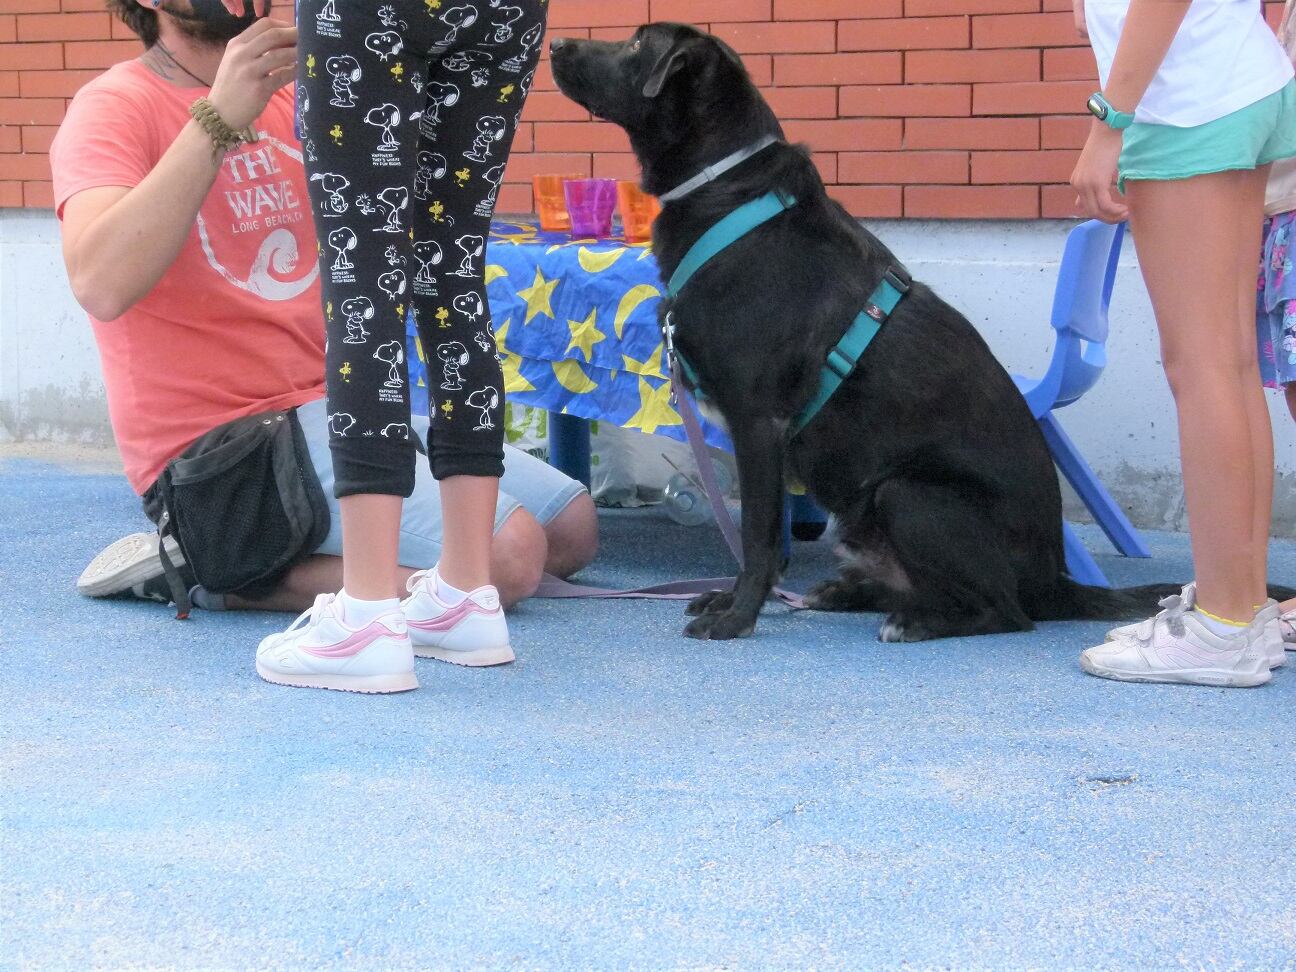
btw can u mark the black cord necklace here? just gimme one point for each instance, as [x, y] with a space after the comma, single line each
[172, 58]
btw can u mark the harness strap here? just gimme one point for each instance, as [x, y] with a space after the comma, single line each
[727, 232]
[713, 172]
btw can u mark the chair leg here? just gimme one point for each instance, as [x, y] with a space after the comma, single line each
[1080, 563]
[1105, 510]
[569, 446]
[808, 521]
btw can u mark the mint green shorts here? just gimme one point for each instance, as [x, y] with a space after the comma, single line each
[1248, 138]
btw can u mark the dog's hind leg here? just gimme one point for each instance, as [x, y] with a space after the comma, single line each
[960, 575]
[872, 577]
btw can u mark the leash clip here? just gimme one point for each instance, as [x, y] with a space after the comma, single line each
[668, 335]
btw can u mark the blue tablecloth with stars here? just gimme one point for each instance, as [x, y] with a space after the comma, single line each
[576, 326]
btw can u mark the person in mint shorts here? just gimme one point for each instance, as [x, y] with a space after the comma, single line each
[1197, 101]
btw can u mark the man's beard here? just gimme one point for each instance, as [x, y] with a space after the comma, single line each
[207, 21]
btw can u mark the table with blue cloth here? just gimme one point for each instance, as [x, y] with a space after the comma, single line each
[576, 325]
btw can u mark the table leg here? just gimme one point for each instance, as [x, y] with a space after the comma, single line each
[569, 446]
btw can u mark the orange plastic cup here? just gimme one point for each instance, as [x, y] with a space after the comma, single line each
[551, 203]
[638, 210]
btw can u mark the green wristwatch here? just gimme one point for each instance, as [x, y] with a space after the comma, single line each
[1102, 109]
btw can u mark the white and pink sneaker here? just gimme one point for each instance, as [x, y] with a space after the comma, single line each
[320, 650]
[472, 632]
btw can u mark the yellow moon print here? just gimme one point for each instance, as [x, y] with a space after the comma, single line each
[597, 262]
[572, 377]
[494, 271]
[634, 297]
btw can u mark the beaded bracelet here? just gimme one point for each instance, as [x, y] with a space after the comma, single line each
[222, 136]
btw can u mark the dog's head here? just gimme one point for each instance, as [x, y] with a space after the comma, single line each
[667, 85]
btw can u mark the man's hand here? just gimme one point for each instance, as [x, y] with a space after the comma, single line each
[257, 63]
[1096, 172]
[1082, 26]
[239, 7]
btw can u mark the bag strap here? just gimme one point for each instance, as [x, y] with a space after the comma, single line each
[179, 593]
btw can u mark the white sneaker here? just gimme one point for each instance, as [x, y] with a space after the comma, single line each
[320, 650]
[128, 564]
[1269, 619]
[1287, 630]
[472, 632]
[1175, 647]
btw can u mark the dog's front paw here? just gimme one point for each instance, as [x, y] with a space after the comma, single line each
[898, 628]
[712, 602]
[834, 595]
[720, 626]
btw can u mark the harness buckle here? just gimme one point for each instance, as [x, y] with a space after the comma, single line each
[898, 278]
[840, 364]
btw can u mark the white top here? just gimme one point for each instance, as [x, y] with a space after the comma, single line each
[1280, 196]
[1224, 58]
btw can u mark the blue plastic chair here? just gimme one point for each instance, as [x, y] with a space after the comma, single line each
[1080, 303]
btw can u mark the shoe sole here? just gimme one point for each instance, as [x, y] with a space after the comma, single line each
[363, 684]
[1191, 676]
[481, 658]
[130, 561]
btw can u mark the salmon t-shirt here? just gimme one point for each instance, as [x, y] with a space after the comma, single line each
[235, 326]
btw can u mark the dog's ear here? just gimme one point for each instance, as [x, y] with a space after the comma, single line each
[666, 66]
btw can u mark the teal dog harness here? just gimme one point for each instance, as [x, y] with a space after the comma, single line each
[843, 358]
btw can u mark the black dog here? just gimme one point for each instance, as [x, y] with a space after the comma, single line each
[946, 498]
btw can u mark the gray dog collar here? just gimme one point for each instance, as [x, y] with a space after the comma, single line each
[713, 172]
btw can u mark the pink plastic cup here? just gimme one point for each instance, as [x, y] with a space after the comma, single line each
[591, 203]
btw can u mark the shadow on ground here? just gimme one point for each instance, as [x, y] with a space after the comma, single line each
[621, 797]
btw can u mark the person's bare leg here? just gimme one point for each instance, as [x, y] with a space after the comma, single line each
[1187, 235]
[1262, 444]
[468, 520]
[572, 537]
[370, 539]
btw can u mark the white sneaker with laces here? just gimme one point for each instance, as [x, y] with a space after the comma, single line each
[320, 650]
[1287, 630]
[1175, 647]
[1267, 619]
[472, 633]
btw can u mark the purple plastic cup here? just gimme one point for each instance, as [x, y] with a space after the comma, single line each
[591, 203]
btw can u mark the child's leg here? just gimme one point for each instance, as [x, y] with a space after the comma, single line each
[1261, 428]
[1189, 234]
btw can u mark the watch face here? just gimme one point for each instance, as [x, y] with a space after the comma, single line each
[1098, 109]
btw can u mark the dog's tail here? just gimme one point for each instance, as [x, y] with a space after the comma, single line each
[1069, 601]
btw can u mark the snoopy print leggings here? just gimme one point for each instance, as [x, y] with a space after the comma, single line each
[407, 111]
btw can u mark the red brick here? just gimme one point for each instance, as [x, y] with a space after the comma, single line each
[8, 29]
[524, 140]
[826, 163]
[99, 54]
[613, 34]
[37, 138]
[63, 26]
[1017, 167]
[836, 9]
[30, 6]
[25, 167]
[1070, 64]
[1030, 97]
[906, 100]
[514, 201]
[891, 168]
[931, 8]
[803, 102]
[1026, 30]
[31, 57]
[8, 84]
[53, 84]
[544, 79]
[522, 167]
[971, 133]
[878, 202]
[927, 67]
[971, 202]
[580, 137]
[868, 68]
[782, 38]
[849, 134]
[31, 111]
[710, 11]
[1059, 202]
[616, 165]
[597, 13]
[10, 139]
[11, 194]
[1064, 131]
[902, 35]
[543, 106]
[761, 69]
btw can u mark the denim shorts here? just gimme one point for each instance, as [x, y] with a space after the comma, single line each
[529, 483]
[1248, 138]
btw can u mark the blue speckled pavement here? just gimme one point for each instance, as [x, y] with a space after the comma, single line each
[621, 797]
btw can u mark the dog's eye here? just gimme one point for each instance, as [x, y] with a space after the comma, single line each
[634, 48]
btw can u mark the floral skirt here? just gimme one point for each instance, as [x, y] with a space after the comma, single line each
[1276, 302]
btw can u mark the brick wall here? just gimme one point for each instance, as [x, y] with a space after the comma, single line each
[919, 108]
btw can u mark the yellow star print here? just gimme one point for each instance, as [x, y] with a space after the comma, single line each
[585, 335]
[539, 296]
[510, 363]
[654, 408]
[652, 365]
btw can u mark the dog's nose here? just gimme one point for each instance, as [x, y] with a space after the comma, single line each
[557, 44]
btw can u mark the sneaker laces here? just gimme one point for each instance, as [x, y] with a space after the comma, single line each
[417, 578]
[1287, 626]
[1172, 614]
[311, 614]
